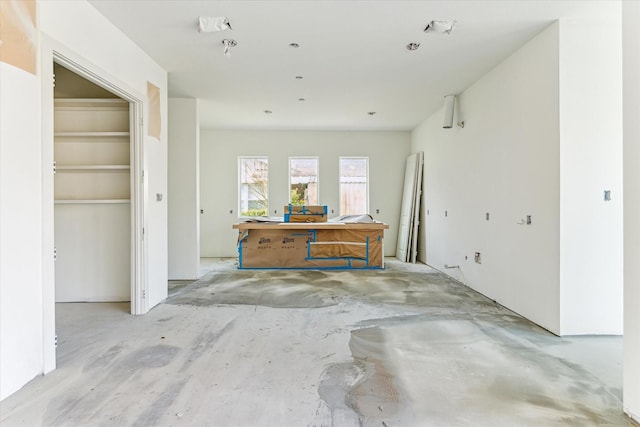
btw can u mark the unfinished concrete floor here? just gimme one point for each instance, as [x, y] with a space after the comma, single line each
[400, 347]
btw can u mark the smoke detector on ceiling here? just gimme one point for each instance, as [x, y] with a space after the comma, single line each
[440, 27]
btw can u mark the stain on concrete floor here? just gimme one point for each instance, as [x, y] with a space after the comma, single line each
[476, 356]
[401, 347]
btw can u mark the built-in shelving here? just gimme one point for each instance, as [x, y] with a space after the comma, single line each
[92, 149]
[92, 178]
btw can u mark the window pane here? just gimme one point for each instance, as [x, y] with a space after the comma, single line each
[354, 173]
[303, 180]
[254, 186]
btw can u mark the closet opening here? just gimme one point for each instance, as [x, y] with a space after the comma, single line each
[96, 217]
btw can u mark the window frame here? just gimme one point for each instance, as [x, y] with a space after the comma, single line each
[366, 192]
[240, 183]
[317, 159]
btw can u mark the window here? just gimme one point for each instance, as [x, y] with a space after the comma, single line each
[254, 186]
[303, 180]
[354, 190]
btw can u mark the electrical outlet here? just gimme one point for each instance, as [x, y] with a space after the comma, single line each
[528, 219]
[487, 216]
[446, 213]
[477, 258]
[607, 195]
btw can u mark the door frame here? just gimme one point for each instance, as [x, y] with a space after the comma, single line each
[54, 52]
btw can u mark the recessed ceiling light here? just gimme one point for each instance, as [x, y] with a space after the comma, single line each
[299, 77]
[441, 27]
[294, 45]
[268, 111]
[371, 113]
[413, 46]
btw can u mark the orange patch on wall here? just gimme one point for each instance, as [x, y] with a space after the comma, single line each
[155, 120]
[19, 34]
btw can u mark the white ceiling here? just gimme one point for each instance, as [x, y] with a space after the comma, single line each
[352, 55]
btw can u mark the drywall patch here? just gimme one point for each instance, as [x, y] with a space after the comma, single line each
[154, 126]
[19, 34]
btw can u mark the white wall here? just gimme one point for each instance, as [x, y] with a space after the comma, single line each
[79, 31]
[504, 162]
[542, 137]
[590, 163]
[631, 70]
[26, 211]
[184, 189]
[219, 151]
[21, 333]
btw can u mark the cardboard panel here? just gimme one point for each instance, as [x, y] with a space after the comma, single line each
[338, 250]
[374, 253]
[305, 218]
[277, 248]
[19, 34]
[306, 209]
[310, 248]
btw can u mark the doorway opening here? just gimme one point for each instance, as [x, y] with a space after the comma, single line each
[97, 196]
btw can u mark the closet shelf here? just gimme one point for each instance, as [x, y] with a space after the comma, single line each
[91, 201]
[60, 168]
[77, 134]
[90, 103]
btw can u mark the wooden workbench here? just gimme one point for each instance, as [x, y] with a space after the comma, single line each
[325, 245]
